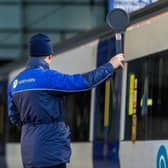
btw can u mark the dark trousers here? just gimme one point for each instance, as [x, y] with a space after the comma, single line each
[59, 166]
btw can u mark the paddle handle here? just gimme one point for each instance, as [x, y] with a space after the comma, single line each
[119, 47]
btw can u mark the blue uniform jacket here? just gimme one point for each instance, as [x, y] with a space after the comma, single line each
[35, 102]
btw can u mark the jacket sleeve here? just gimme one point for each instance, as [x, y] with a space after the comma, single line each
[13, 114]
[79, 82]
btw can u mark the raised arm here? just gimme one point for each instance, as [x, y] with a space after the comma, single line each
[81, 82]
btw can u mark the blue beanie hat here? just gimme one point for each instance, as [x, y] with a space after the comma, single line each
[40, 45]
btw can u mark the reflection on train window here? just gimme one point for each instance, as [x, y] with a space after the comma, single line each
[77, 115]
[100, 110]
[152, 106]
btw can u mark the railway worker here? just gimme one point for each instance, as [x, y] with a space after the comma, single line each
[35, 103]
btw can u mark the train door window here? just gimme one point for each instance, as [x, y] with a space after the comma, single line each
[100, 94]
[100, 112]
[77, 115]
[151, 74]
[106, 122]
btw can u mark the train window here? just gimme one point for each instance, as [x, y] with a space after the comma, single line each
[77, 115]
[14, 133]
[3, 117]
[151, 108]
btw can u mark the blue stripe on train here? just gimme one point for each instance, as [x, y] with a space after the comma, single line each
[110, 160]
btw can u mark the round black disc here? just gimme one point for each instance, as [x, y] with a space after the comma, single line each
[118, 20]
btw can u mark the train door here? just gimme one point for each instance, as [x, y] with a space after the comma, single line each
[106, 120]
[3, 121]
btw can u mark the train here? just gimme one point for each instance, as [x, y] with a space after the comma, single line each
[134, 136]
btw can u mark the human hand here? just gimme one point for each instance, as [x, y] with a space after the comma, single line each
[117, 61]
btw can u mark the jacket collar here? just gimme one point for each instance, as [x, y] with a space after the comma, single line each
[36, 63]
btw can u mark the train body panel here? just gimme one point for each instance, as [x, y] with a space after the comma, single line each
[143, 154]
[147, 37]
[78, 60]
[13, 155]
[81, 153]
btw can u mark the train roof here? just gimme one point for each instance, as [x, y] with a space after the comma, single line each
[97, 33]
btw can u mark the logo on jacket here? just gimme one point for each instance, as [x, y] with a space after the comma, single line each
[15, 83]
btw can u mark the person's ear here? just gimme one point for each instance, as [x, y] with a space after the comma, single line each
[50, 57]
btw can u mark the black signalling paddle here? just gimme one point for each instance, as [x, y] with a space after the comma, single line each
[118, 21]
